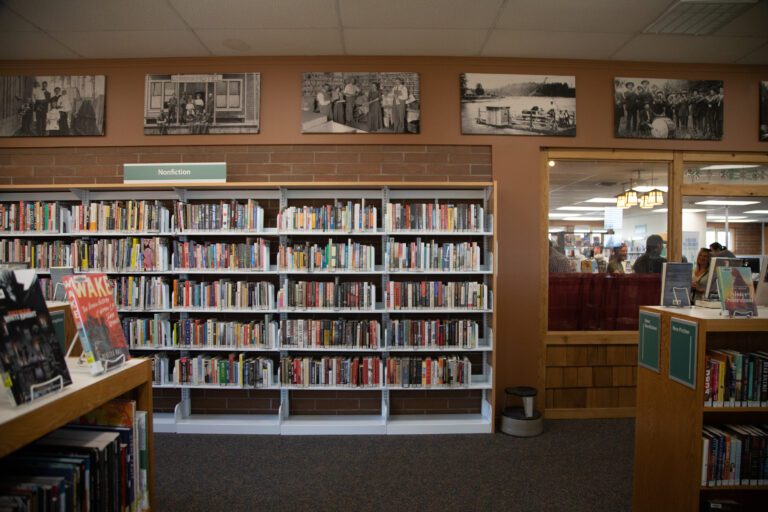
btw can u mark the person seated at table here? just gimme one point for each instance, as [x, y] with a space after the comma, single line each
[651, 261]
[616, 263]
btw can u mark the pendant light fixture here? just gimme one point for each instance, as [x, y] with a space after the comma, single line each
[631, 196]
[656, 197]
[645, 202]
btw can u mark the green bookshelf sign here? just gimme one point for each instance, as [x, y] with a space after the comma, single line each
[650, 337]
[203, 172]
[682, 351]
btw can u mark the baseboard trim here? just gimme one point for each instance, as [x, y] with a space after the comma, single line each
[592, 413]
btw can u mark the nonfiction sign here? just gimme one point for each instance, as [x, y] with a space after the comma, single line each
[650, 336]
[204, 172]
[682, 351]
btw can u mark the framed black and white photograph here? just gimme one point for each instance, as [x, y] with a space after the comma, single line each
[664, 108]
[202, 104]
[495, 104]
[360, 102]
[763, 110]
[52, 105]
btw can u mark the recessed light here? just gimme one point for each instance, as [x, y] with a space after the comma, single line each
[716, 202]
[552, 163]
[583, 218]
[648, 188]
[582, 208]
[727, 166]
[758, 212]
[606, 200]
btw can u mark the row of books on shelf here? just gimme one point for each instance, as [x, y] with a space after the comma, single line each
[135, 254]
[153, 216]
[736, 379]
[239, 370]
[734, 455]
[99, 462]
[143, 292]
[160, 332]
[435, 216]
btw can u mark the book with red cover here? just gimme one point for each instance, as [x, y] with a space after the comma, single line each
[95, 313]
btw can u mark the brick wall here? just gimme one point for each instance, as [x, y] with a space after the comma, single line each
[254, 163]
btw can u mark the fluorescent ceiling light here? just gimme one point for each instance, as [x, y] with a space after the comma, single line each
[727, 166]
[758, 212]
[648, 188]
[583, 218]
[556, 230]
[560, 215]
[722, 217]
[740, 221]
[606, 200]
[717, 202]
[583, 208]
[685, 210]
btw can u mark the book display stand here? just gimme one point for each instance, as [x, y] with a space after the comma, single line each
[673, 462]
[294, 290]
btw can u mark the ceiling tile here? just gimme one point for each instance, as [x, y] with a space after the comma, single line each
[647, 47]
[559, 45]
[132, 43]
[413, 42]
[753, 22]
[234, 14]
[626, 16]
[399, 14]
[10, 22]
[32, 45]
[757, 57]
[96, 15]
[273, 42]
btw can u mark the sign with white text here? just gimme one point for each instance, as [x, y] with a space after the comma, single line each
[204, 172]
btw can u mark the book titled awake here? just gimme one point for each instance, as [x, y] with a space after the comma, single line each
[95, 312]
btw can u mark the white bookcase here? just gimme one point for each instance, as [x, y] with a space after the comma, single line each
[279, 197]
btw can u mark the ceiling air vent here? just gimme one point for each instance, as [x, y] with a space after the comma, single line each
[698, 17]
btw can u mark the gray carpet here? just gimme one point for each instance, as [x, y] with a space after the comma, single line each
[574, 466]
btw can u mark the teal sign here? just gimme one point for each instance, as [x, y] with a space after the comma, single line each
[682, 351]
[650, 337]
[204, 172]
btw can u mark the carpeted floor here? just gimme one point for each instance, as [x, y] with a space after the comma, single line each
[574, 466]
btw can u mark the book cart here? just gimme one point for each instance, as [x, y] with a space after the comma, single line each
[24, 424]
[668, 472]
[271, 278]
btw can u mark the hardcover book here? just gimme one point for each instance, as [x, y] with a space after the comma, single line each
[676, 284]
[737, 294]
[30, 354]
[95, 313]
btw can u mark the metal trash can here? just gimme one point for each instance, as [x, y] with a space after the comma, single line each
[523, 421]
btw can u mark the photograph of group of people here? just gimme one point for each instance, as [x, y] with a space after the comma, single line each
[201, 104]
[360, 102]
[668, 109]
[46, 106]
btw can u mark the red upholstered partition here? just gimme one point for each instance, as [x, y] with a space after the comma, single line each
[599, 302]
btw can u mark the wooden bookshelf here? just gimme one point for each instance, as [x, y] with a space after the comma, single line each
[24, 424]
[670, 415]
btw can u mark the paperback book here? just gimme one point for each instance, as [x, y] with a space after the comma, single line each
[676, 284]
[737, 294]
[31, 357]
[95, 313]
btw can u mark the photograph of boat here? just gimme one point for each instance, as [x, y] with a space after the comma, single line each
[496, 104]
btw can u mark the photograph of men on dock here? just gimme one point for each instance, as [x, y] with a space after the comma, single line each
[496, 104]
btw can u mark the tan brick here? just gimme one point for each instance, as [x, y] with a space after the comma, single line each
[403, 169]
[313, 169]
[361, 169]
[481, 170]
[292, 158]
[448, 169]
[117, 159]
[159, 158]
[17, 171]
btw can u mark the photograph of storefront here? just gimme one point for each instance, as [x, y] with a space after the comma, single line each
[201, 104]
